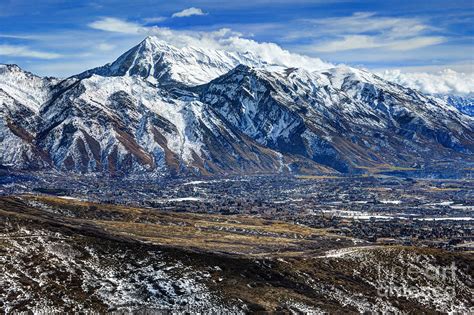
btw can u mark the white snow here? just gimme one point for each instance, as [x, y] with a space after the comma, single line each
[446, 219]
[181, 199]
[393, 202]
[28, 89]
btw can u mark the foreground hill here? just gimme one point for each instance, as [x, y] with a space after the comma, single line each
[163, 110]
[69, 255]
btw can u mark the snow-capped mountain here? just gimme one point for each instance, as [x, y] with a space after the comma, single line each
[160, 63]
[343, 118]
[163, 110]
[464, 103]
[21, 97]
[123, 123]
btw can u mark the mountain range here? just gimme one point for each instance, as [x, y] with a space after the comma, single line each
[162, 110]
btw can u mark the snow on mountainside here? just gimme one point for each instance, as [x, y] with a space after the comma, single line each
[464, 103]
[166, 110]
[159, 63]
[27, 88]
[123, 123]
[342, 118]
[21, 96]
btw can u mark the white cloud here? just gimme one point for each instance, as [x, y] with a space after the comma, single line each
[23, 51]
[224, 39]
[415, 42]
[105, 47]
[27, 37]
[272, 53]
[446, 81]
[156, 19]
[352, 42]
[364, 22]
[188, 12]
[366, 30]
[110, 24]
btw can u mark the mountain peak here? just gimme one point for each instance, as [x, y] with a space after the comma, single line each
[155, 41]
[161, 63]
[154, 45]
[25, 87]
[14, 68]
[5, 67]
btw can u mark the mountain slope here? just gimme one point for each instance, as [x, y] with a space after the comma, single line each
[464, 104]
[21, 96]
[342, 117]
[124, 125]
[131, 259]
[149, 112]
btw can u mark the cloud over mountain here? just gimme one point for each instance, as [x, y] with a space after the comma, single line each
[189, 12]
[442, 82]
[110, 24]
[224, 39]
[23, 51]
[367, 30]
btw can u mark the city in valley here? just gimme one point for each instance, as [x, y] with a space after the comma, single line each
[376, 209]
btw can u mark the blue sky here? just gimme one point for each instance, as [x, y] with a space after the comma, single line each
[60, 38]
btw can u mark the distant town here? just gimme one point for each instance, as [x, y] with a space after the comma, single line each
[374, 209]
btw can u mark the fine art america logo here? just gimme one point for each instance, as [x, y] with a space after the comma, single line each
[419, 278]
